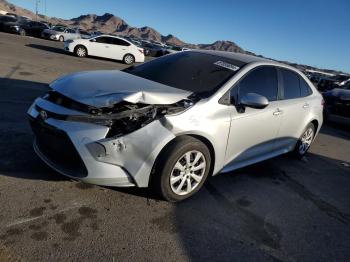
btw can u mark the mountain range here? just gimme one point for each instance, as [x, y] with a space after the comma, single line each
[111, 24]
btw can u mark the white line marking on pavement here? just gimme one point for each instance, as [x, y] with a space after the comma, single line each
[29, 219]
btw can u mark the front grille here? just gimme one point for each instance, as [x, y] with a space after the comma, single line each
[58, 148]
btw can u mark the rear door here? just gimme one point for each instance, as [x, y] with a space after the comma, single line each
[253, 131]
[294, 107]
[118, 48]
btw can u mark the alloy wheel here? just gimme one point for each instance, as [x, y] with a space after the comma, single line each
[306, 140]
[188, 172]
[129, 59]
[81, 52]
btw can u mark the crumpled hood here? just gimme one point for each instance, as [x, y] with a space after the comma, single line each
[106, 88]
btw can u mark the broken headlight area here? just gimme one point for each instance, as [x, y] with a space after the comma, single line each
[125, 117]
[122, 118]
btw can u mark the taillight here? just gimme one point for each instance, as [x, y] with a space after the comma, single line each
[322, 102]
[141, 51]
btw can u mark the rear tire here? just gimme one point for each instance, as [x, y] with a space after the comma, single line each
[181, 169]
[304, 141]
[80, 51]
[129, 59]
[61, 39]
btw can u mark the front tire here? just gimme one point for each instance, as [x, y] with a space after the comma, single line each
[129, 59]
[181, 169]
[80, 51]
[305, 141]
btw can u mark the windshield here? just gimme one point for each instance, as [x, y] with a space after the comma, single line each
[58, 28]
[191, 71]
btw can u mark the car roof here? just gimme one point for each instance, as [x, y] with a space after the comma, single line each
[247, 59]
[114, 36]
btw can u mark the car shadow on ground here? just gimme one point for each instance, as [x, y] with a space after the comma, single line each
[48, 48]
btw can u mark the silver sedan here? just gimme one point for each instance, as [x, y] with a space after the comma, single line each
[172, 122]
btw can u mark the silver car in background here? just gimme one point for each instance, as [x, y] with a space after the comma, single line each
[172, 122]
[61, 33]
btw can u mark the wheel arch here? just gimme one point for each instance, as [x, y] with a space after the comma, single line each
[201, 138]
[129, 54]
[210, 146]
[81, 45]
[315, 123]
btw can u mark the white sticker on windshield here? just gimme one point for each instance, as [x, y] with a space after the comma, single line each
[226, 65]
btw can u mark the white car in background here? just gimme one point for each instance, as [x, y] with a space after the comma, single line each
[106, 46]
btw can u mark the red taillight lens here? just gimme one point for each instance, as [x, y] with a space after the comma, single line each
[322, 102]
[141, 51]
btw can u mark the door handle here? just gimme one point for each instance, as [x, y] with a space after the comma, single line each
[106, 46]
[277, 112]
[306, 105]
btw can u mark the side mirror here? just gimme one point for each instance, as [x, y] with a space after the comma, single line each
[254, 100]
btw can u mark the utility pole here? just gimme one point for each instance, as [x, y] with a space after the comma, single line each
[36, 8]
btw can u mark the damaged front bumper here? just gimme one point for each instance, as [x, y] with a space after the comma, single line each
[88, 155]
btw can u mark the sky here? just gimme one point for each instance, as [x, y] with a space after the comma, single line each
[312, 32]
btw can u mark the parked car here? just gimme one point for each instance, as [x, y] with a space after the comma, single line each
[6, 19]
[337, 104]
[61, 33]
[173, 121]
[341, 80]
[325, 84]
[84, 34]
[25, 27]
[329, 83]
[153, 49]
[170, 49]
[106, 46]
[96, 33]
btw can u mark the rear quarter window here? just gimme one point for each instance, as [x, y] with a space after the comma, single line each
[304, 88]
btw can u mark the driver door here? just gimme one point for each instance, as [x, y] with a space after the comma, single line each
[253, 131]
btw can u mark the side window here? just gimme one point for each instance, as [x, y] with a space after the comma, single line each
[117, 41]
[291, 84]
[304, 88]
[262, 81]
[103, 40]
